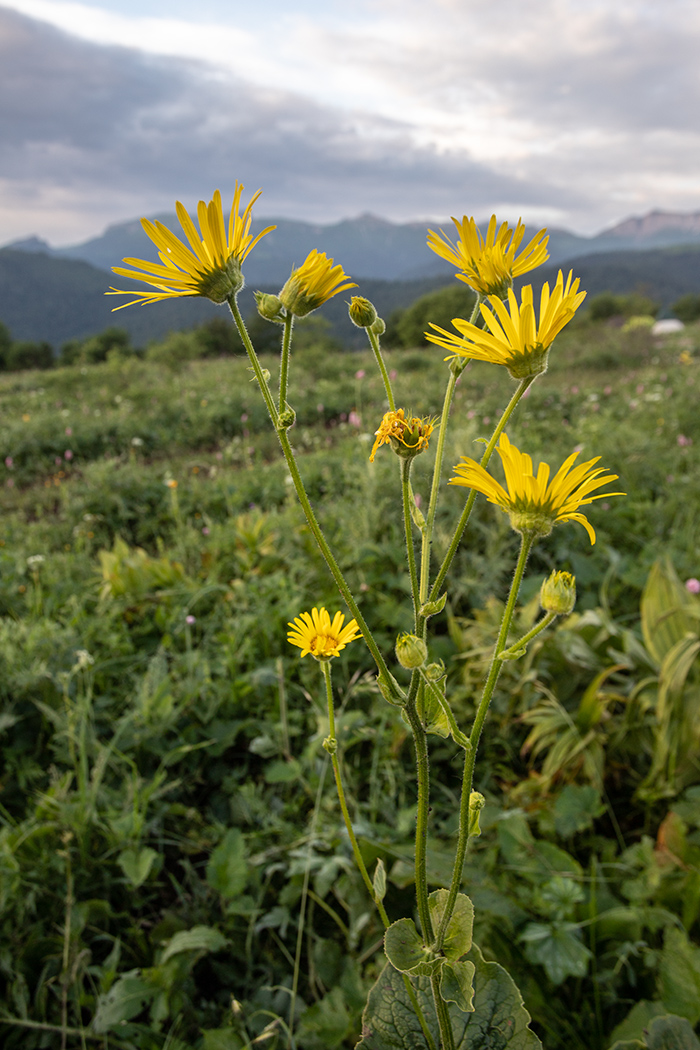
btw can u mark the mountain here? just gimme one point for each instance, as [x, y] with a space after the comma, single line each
[56, 295]
[370, 247]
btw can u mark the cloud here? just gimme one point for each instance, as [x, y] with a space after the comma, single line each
[116, 129]
[574, 112]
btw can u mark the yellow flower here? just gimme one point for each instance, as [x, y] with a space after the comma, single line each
[514, 339]
[489, 266]
[315, 633]
[534, 503]
[210, 267]
[312, 284]
[408, 437]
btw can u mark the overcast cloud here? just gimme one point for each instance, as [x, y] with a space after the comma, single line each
[574, 113]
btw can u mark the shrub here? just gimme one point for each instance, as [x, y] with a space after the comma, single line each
[440, 307]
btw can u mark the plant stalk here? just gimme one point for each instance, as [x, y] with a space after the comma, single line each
[475, 735]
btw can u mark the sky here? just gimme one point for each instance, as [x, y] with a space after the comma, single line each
[570, 113]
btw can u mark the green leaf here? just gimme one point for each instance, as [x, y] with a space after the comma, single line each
[405, 949]
[198, 939]
[679, 975]
[459, 929]
[137, 864]
[379, 881]
[125, 999]
[221, 1039]
[227, 868]
[664, 613]
[556, 946]
[457, 984]
[672, 1033]
[499, 1019]
[638, 1019]
[282, 771]
[431, 713]
[432, 608]
[576, 808]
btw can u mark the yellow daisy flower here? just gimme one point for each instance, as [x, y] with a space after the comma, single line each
[514, 338]
[408, 437]
[315, 633]
[534, 503]
[210, 267]
[489, 266]
[312, 284]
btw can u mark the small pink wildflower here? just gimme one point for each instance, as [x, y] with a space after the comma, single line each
[68, 454]
[360, 373]
[692, 585]
[684, 441]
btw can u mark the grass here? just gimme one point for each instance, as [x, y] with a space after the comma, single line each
[164, 796]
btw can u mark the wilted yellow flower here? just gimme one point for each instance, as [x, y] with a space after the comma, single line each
[211, 267]
[315, 633]
[514, 338]
[534, 503]
[408, 437]
[312, 284]
[489, 266]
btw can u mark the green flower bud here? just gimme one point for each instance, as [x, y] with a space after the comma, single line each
[435, 672]
[411, 651]
[362, 312]
[558, 593]
[476, 804]
[270, 307]
[379, 327]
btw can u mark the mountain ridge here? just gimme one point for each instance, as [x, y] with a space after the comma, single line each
[368, 245]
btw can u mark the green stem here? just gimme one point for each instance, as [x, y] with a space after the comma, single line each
[331, 746]
[457, 735]
[284, 364]
[435, 489]
[302, 910]
[336, 573]
[447, 1038]
[253, 357]
[512, 652]
[420, 744]
[437, 472]
[475, 736]
[462, 523]
[374, 343]
[408, 528]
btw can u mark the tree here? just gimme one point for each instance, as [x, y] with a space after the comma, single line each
[5, 344]
[25, 355]
[407, 327]
[687, 308]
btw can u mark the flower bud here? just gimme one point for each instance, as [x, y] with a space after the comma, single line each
[558, 593]
[270, 307]
[411, 651]
[362, 312]
[379, 327]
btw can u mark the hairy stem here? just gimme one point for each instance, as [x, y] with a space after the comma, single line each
[374, 343]
[284, 362]
[408, 529]
[475, 736]
[462, 523]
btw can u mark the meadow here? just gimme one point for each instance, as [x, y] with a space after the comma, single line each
[174, 870]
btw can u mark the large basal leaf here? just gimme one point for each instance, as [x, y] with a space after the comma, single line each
[499, 1021]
